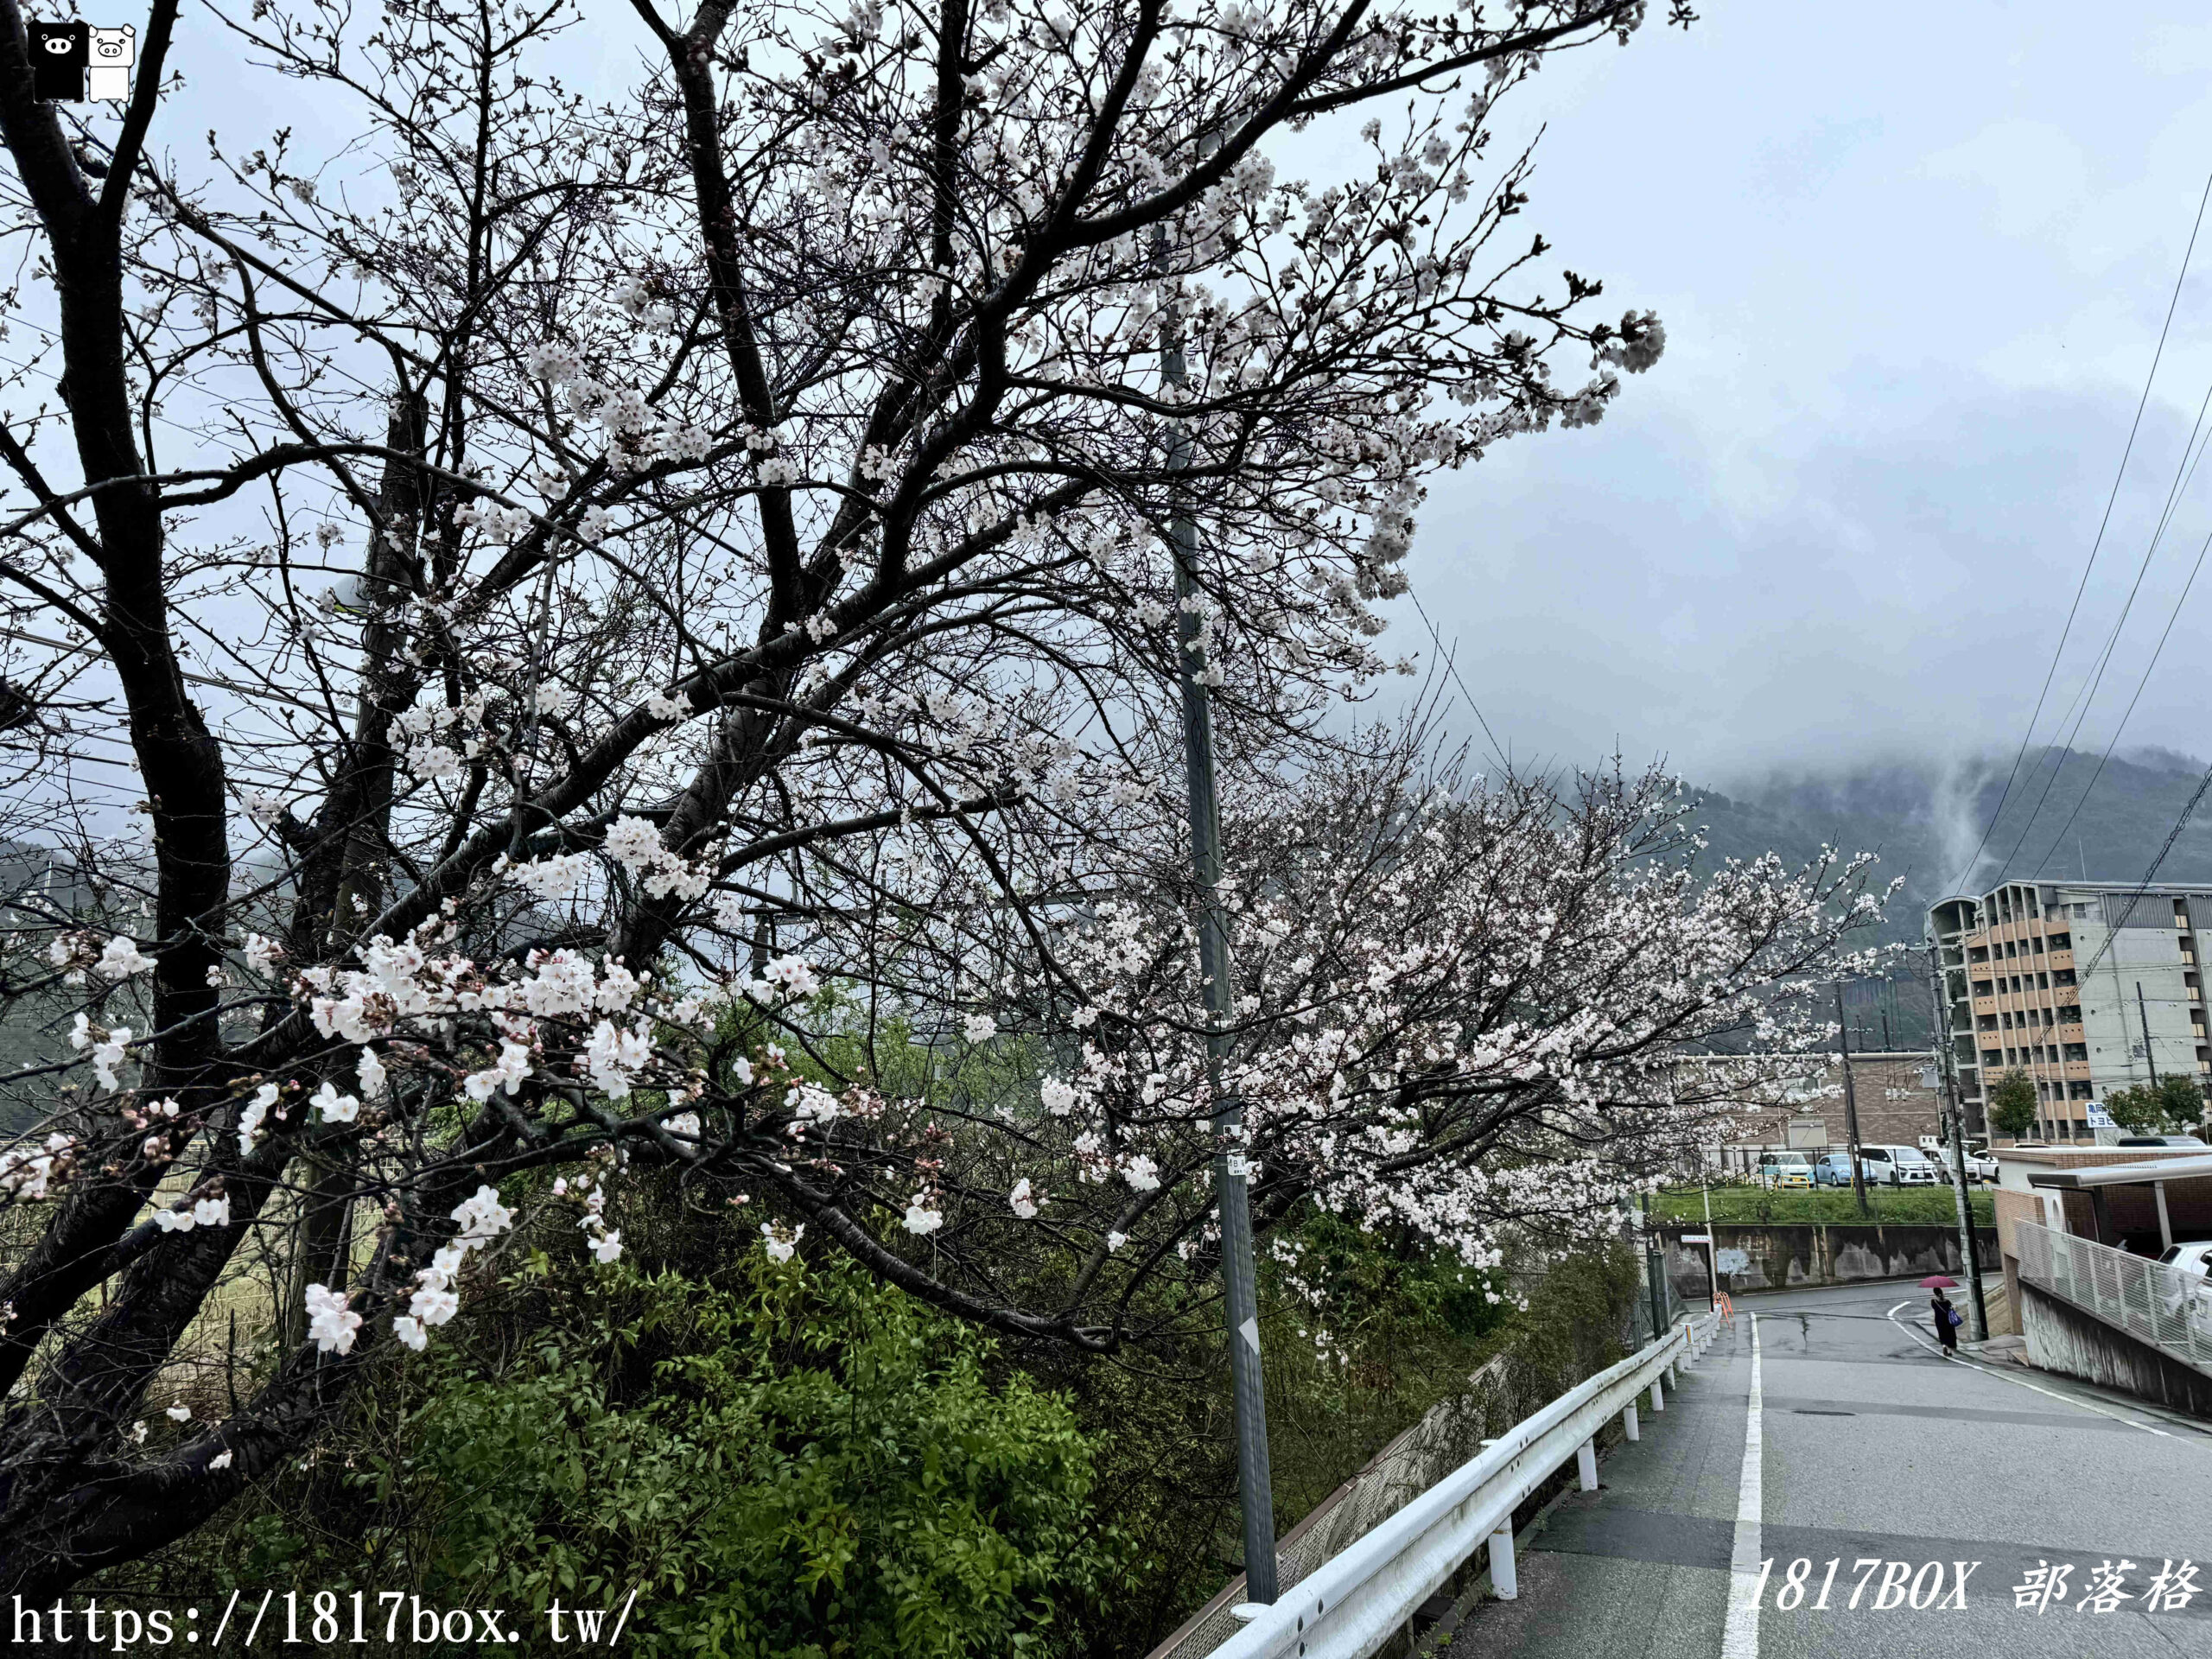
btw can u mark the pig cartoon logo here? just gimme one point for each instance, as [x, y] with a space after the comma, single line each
[60, 56]
[114, 50]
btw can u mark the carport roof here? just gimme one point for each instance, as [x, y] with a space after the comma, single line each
[2160, 1169]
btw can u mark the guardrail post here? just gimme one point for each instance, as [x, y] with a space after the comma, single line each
[1504, 1581]
[1585, 1465]
[1658, 1395]
[1629, 1425]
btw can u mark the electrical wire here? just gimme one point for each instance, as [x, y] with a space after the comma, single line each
[1451, 667]
[2192, 454]
[2066, 631]
[2151, 875]
[2058, 840]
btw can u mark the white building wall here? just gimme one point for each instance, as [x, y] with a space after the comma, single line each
[2113, 1022]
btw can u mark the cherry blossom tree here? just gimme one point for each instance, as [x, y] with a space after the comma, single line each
[596, 599]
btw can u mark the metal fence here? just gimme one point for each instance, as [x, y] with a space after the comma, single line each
[2156, 1304]
[1352, 1604]
[1451, 1432]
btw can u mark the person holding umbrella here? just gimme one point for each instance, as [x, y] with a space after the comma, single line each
[1948, 1318]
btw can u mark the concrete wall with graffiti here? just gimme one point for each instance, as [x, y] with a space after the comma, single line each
[1776, 1257]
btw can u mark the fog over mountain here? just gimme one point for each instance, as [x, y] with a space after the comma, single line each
[1925, 817]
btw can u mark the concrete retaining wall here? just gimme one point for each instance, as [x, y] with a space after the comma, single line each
[2063, 1339]
[1776, 1257]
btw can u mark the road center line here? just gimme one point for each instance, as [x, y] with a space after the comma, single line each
[1741, 1638]
[2118, 1417]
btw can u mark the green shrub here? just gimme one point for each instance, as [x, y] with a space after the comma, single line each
[807, 1466]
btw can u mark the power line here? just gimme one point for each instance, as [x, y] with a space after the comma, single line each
[2111, 499]
[269, 694]
[1451, 667]
[2192, 454]
[2151, 875]
[2126, 714]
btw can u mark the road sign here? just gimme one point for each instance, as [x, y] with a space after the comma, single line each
[2100, 1118]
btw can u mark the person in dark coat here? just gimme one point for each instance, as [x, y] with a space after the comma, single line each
[1947, 1321]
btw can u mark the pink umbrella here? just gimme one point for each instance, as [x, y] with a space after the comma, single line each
[1938, 1281]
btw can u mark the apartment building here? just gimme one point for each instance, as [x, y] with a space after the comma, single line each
[2087, 987]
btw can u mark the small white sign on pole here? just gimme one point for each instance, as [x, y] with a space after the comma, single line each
[2099, 1117]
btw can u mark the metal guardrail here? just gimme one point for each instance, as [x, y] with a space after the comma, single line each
[2153, 1303]
[1448, 1434]
[1352, 1604]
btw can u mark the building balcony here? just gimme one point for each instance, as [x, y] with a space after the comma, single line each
[2061, 959]
[2075, 1070]
[2068, 1033]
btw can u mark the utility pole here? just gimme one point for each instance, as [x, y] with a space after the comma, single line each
[1254, 1485]
[2143, 1012]
[1653, 1267]
[1969, 1248]
[1850, 1105]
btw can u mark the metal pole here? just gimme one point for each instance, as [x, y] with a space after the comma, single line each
[1969, 1248]
[1254, 1483]
[1651, 1270]
[1850, 1105]
[2143, 1012]
[1712, 1248]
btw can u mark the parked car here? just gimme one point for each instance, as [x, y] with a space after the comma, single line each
[1834, 1169]
[1980, 1165]
[2183, 1140]
[1898, 1165]
[1785, 1169]
[2193, 1256]
[2191, 1261]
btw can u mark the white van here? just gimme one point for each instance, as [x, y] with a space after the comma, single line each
[1898, 1165]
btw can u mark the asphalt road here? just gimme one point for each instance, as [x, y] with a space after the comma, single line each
[1871, 1449]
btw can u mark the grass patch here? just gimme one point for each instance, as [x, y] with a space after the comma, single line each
[1750, 1205]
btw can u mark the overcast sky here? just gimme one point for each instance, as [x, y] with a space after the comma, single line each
[1912, 261]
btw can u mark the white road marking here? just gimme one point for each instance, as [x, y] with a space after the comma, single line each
[1741, 1638]
[2118, 1417]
